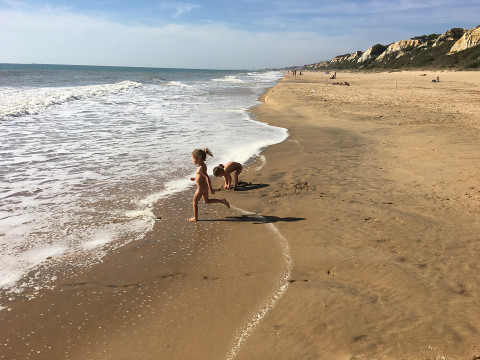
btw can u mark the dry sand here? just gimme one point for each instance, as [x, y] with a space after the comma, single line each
[386, 174]
[365, 245]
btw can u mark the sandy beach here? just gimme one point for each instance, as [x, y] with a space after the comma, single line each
[385, 173]
[356, 238]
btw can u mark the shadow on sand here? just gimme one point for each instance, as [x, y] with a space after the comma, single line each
[258, 219]
[244, 186]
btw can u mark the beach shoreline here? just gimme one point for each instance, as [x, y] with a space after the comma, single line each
[356, 238]
[169, 295]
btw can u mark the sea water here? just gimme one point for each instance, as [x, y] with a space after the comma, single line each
[85, 152]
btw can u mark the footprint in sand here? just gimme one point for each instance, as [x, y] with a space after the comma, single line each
[206, 277]
[172, 276]
[125, 286]
[79, 285]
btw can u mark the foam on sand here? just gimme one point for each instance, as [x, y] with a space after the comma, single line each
[282, 285]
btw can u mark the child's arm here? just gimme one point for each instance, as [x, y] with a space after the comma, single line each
[228, 180]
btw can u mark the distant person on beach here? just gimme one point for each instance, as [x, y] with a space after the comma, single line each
[203, 182]
[226, 170]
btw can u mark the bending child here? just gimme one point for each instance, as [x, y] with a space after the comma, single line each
[203, 182]
[225, 170]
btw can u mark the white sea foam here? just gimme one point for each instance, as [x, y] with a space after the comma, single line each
[16, 102]
[14, 266]
[170, 188]
[140, 213]
[230, 79]
[177, 83]
[99, 240]
[263, 162]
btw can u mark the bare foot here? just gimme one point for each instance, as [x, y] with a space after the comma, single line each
[195, 220]
[225, 202]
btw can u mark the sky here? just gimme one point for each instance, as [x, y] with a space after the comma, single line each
[215, 34]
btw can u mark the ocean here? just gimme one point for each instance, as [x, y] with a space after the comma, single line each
[86, 152]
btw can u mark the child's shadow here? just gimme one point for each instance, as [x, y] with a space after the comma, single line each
[244, 186]
[260, 219]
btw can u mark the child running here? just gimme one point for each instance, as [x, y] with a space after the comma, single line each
[203, 182]
[225, 170]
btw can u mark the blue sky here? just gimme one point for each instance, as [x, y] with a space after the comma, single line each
[238, 34]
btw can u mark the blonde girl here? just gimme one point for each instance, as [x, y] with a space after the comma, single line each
[203, 182]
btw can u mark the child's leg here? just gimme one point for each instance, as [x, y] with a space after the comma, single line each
[237, 172]
[236, 180]
[215, 201]
[196, 199]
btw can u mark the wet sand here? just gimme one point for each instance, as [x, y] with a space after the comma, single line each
[358, 238]
[185, 291]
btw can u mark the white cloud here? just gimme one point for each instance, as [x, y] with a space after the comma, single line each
[178, 8]
[184, 8]
[59, 36]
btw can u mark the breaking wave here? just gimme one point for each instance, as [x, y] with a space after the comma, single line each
[20, 102]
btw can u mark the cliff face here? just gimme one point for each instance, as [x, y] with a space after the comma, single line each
[367, 55]
[399, 47]
[452, 34]
[469, 39]
[348, 57]
[454, 48]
